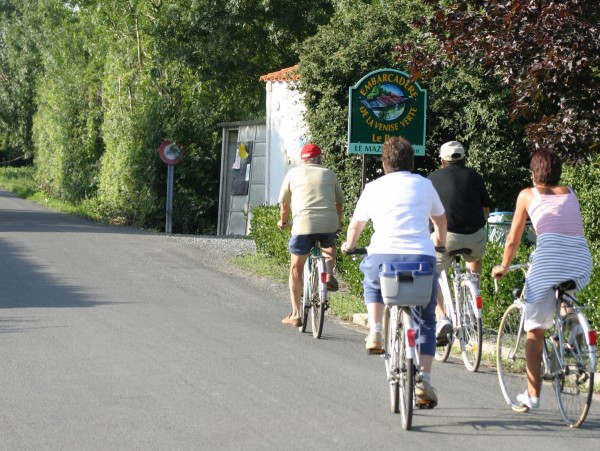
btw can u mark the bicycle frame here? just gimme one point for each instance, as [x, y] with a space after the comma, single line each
[463, 305]
[451, 298]
[314, 262]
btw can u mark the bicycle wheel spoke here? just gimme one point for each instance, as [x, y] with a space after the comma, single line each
[574, 386]
[317, 304]
[406, 377]
[510, 356]
[391, 359]
[471, 336]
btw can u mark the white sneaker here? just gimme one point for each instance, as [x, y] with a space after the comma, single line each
[443, 328]
[530, 402]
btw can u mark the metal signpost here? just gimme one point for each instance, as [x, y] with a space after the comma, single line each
[171, 155]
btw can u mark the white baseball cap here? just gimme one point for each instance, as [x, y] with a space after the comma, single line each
[452, 151]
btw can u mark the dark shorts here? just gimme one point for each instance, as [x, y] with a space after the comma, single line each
[302, 244]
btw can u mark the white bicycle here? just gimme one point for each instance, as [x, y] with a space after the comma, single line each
[463, 306]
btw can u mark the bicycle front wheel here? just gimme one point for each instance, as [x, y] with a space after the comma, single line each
[574, 385]
[510, 356]
[391, 356]
[406, 383]
[471, 332]
[319, 297]
[306, 294]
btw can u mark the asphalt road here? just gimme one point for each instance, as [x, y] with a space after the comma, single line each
[114, 338]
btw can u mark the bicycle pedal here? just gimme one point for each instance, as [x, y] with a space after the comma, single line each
[440, 342]
[375, 351]
[424, 404]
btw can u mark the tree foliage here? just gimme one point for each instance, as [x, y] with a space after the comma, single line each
[546, 52]
[464, 104]
[92, 88]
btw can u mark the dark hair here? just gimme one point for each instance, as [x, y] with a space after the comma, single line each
[397, 155]
[546, 167]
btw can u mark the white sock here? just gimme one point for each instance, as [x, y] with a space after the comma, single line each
[426, 377]
[376, 327]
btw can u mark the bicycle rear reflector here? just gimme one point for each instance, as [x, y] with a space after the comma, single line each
[592, 337]
[479, 301]
[323, 277]
[410, 335]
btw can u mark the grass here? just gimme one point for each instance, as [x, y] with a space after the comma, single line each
[341, 304]
[21, 181]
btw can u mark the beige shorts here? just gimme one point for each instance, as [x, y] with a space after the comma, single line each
[475, 241]
[540, 315]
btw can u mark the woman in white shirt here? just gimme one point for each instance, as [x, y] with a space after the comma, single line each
[400, 204]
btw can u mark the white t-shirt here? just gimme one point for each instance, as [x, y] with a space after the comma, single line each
[399, 204]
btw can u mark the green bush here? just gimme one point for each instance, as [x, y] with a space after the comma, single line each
[271, 241]
[268, 239]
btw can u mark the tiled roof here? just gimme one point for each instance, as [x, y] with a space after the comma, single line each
[287, 74]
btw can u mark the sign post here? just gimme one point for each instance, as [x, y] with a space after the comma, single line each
[171, 155]
[385, 103]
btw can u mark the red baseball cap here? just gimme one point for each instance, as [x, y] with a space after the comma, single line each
[309, 151]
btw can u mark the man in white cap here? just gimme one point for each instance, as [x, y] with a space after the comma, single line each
[314, 197]
[467, 205]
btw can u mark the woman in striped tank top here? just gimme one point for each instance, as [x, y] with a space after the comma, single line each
[556, 218]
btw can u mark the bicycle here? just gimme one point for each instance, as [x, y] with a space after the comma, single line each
[463, 307]
[314, 293]
[404, 286]
[568, 353]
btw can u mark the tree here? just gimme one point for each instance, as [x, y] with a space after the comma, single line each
[464, 104]
[546, 52]
[19, 67]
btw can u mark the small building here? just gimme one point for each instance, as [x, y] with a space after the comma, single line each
[255, 155]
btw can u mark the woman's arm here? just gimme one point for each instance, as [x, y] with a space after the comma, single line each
[513, 240]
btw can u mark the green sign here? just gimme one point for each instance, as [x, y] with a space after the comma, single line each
[383, 104]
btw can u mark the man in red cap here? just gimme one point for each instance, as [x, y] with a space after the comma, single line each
[314, 197]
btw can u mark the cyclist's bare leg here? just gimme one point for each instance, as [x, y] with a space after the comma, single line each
[475, 266]
[329, 254]
[439, 308]
[295, 282]
[533, 359]
[375, 311]
[425, 363]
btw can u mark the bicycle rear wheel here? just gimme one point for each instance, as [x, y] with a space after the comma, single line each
[574, 387]
[471, 331]
[319, 297]
[510, 356]
[406, 384]
[391, 356]
[443, 352]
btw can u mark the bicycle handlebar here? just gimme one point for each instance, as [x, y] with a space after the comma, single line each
[509, 269]
[357, 251]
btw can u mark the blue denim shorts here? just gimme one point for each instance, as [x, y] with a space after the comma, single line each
[302, 244]
[424, 316]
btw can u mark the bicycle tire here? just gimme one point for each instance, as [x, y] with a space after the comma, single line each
[306, 294]
[406, 382]
[442, 356]
[319, 300]
[390, 340]
[471, 331]
[510, 356]
[574, 386]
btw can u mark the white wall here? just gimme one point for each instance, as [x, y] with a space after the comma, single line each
[286, 133]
